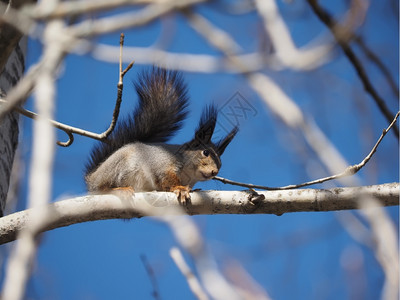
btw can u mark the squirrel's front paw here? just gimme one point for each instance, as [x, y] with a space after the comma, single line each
[182, 192]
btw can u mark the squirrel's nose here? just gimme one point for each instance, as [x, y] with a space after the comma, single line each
[214, 172]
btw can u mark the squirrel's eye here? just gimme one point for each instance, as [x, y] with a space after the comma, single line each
[206, 153]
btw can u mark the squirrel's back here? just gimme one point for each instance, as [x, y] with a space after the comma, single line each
[163, 101]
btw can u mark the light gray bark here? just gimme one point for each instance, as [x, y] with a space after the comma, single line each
[101, 207]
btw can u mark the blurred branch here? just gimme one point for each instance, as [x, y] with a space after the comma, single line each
[9, 35]
[71, 36]
[385, 245]
[203, 63]
[190, 239]
[122, 21]
[191, 279]
[285, 49]
[74, 8]
[380, 236]
[101, 207]
[274, 97]
[21, 91]
[349, 171]
[70, 130]
[337, 32]
[152, 277]
[247, 287]
[40, 179]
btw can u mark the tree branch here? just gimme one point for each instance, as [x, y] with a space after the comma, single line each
[191, 278]
[200, 63]
[275, 98]
[70, 130]
[152, 276]
[378, 62]
[351, 170]
[102, 207]
[120, 22]
[336, 30]
[73, 9]
[305, 58]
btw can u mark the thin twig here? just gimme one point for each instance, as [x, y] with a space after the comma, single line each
[333, 26]
[120, 87]
[66, 128]
[70, 130]
[67, 143]
[376, 60]
[274, 97]
[351, 170]
[152, 276]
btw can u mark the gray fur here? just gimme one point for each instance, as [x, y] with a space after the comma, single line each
[137, 157]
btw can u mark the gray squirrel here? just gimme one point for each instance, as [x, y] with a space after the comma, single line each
[136, 156]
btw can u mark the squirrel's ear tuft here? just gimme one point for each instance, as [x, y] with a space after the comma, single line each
[206, 126]
[222, 144]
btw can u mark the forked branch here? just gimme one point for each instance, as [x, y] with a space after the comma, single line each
[337, 31]
[70, 130]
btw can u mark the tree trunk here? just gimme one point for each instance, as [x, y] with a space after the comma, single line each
[10, 75]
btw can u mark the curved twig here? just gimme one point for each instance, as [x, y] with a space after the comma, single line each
[70, 130]
[67, 143]
[351, 170]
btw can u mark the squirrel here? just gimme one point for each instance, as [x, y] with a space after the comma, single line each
[136, 156]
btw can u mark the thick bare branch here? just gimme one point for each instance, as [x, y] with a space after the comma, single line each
[101, 207]
[286, 51]
[384, 235]
[72, 9]
[122, 21]
[202, 63]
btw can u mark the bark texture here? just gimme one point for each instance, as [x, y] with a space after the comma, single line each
[12, 72]
[101, 207]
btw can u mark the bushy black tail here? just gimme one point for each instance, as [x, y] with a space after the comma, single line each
[163, 101]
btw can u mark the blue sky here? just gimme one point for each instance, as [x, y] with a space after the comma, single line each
[293, 256]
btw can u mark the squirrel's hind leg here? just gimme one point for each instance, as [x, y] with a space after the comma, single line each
[126, 191]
